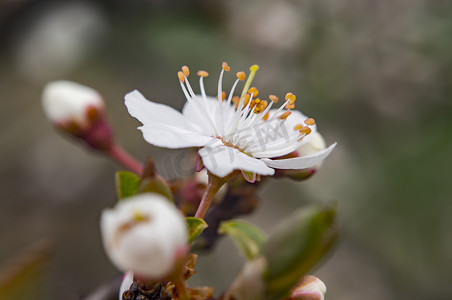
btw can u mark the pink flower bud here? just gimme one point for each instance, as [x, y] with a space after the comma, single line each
[79, 111]
[144, 234]
[309, 288]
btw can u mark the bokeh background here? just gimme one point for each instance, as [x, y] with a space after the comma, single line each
[376, 75]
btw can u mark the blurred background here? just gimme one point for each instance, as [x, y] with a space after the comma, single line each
[376, 75]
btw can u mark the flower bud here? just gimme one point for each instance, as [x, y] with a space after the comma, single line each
[144, 234]
[79, 111]
[309, 288]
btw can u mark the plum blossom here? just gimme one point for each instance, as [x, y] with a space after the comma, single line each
[144, 234]
[235, 132]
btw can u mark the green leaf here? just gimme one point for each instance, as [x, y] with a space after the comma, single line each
[195, 227]
[155, 185]
[247, 237]
[296, 245]
[126, 184]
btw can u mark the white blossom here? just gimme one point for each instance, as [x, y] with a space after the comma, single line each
[235, 133]
[144, 234]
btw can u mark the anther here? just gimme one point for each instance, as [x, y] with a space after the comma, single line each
[253, 91]
[226, 67]
[290, 106]
[298, 127]
[284, 115]
[181, 76]
[241, 75]
[273, 98]
[265, 118]
[186, 71]
[223, 95]
[202, 73]
[309, 121]
[305, 130]
[291, 98]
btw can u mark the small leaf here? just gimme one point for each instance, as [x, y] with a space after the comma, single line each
[155, 185]
[195, 227]
[296, 245]
[126, 184]
[247, 237]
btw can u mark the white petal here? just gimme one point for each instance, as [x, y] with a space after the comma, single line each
[171, 136]
[163, 126]
[222, 160]
[300, 162]
[127, 281]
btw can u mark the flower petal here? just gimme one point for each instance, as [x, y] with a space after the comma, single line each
[173, 137]
[300, 162]
[127, 281]
[221, 160]
[164, 126]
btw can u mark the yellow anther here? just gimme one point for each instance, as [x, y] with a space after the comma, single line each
[246, 99]
[253, 91]
[273, 98]
[257, 100]
[305, 130]
[226, 67]
[181, 76]
[284, 115]
[264, 103]
[241, 75]
[257, 109]
[309, 121]
[186, 71]
[236, 100]
[265, 117]
[223, 95]
[298, 127]
[291, 98]
[203, 73]
[253, 70]
[290, 106]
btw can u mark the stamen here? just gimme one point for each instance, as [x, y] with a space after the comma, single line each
[273, 98]
[291, 98]
[284, 115]
[240, 75]
[289, 106]
[253, 70]
[181, 76]
[236, 100]
[253, 91]
[309, 121]
[265, 117]
[298, 127]
[186, 71]
[202, 73]
[226, 67]
[223, 95]
[305, 130]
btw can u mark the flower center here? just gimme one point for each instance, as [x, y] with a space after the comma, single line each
[245, 122]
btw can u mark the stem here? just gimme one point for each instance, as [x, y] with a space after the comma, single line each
[125, 159]
[212, 188]
[181, 289]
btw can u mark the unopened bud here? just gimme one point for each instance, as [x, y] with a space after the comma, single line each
[79, 111]
[309, 288]
[145, 234]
